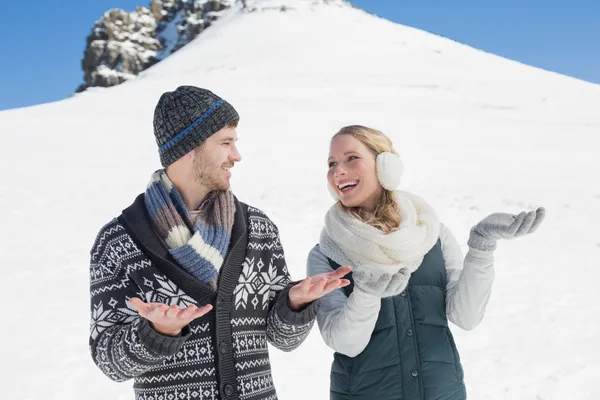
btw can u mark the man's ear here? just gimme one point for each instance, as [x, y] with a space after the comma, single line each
[191, 156]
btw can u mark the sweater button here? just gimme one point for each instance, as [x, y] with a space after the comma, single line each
[409, 332]
[415, 373]
[223, 347]
[403, 294]
[228, 389]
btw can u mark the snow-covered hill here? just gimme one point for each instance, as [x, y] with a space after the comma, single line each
[478, 134]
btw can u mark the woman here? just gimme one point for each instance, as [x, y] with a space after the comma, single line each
[389, 327]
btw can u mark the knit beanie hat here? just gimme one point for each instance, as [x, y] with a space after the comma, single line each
[185, 118]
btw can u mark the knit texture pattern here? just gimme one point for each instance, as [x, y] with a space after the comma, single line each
[186, 117]
[378, 257]
[255, 313]
[198, 246]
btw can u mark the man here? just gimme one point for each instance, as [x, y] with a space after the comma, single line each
[188, 285]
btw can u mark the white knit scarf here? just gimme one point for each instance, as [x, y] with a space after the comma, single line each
[349, 241]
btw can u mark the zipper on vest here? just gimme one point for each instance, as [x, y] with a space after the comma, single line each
[415, 344]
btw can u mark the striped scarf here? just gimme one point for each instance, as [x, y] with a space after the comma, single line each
[198, 246]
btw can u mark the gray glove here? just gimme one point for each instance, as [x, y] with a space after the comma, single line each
[379, 283]
[486, 233]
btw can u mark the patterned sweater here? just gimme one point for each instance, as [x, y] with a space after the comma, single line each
[220, 356]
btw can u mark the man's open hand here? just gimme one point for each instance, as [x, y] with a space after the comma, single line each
[168, 320]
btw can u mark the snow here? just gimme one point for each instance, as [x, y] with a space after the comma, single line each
[170, 34]
[478, 134]
[116, 72]
[143, 19]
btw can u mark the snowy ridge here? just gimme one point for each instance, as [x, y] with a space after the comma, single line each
[123, 44]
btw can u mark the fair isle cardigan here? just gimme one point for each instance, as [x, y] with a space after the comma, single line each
[220, 356]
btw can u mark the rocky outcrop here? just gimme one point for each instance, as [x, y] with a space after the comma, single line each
[122, 44]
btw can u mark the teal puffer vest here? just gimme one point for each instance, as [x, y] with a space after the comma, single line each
[411, 354]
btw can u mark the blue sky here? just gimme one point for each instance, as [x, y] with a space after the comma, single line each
[42, 47]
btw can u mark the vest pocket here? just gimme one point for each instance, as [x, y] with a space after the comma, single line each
[457, 364]
[380, 382]
[375, 373]
[381, 352]
[378, 370]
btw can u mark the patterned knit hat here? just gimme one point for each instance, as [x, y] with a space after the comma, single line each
[185, 118]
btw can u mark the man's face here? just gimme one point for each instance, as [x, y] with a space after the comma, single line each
[214, 158]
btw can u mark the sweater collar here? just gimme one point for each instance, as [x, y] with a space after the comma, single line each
[137, 222]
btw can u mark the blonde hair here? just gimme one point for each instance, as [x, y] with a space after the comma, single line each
[386, 215]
